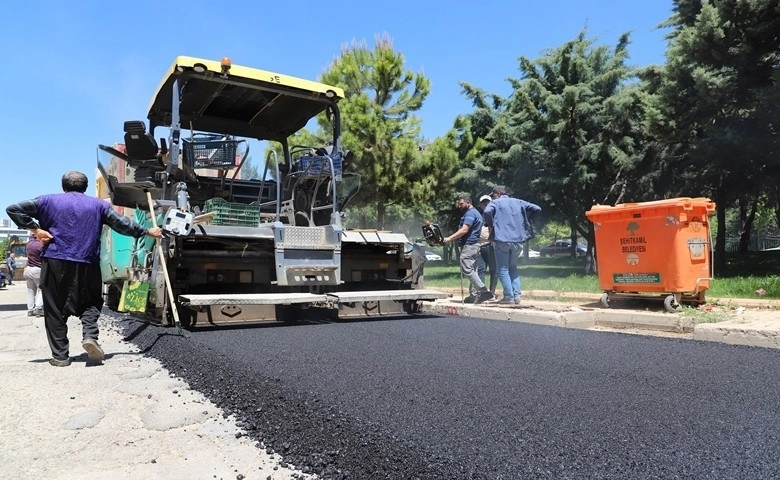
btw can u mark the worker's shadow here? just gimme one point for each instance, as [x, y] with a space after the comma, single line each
[10, 307]
[78, 360]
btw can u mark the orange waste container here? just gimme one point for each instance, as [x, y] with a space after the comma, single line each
[661, 247]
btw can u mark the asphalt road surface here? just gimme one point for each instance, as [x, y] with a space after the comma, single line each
[461, 398]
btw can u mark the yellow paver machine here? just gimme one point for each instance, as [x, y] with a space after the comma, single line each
[239, 249]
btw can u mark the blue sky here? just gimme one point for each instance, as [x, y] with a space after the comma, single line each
[73, 72]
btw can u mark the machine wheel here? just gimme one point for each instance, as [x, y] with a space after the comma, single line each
[604, 301]
[700, 299]
[113, 295]
[185, 317]
[301, 219]
[672, 304]
[322, 217]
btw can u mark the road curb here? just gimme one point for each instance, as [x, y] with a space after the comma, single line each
[573, 317]
[448, 307]
[757, 328]
[643, 321]
[737, 335]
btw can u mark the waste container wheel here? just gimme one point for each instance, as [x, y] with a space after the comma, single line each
[699, 298]
[604, 301]
[672, 303]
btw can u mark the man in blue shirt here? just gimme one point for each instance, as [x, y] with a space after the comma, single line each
[510, 221]
[468, 239]
[10, 263]
[70, 224]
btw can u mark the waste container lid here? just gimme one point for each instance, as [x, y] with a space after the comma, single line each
[681, 203]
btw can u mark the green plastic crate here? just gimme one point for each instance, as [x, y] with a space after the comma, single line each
[235, 214]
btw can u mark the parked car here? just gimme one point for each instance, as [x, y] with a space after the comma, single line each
[432, 257]
[531, 253]
[408, 247]
[562, 248]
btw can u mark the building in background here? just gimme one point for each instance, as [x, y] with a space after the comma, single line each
[8, 229]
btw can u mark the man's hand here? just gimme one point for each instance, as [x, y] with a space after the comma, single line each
[42, 235]
[155, 232]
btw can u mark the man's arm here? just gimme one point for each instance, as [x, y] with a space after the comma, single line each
[533, 210]
[468, 220]
[487, 215]
[461, 231]
[125, 226]
[23, 214]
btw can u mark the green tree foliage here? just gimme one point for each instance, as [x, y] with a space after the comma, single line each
[476, 175]
[438, 176]
[717, 102]
[568, 137]
[250, 170]
[461, 151]
[296, 143]
[380, 127]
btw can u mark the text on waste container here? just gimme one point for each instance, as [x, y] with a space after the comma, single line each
[633, 244]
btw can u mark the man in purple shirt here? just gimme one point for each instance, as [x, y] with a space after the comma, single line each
[69, 225]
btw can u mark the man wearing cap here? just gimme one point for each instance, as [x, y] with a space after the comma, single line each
[468, 238]
[510, 221]
[487, 257]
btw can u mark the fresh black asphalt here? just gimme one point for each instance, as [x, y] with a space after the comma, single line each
[432, 397]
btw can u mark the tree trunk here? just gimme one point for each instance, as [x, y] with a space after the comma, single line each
[719, 262]
[380, 215]
[777, 205]
[746, 224]
[591, 266]
[573, 237]
[362, 218]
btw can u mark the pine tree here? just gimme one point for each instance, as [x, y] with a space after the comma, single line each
[380, 127]
[568, 137]
[717, 101]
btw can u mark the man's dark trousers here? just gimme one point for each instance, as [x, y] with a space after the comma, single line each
[70, 288]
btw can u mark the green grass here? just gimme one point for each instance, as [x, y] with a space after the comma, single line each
[744, 274]
[697, 315]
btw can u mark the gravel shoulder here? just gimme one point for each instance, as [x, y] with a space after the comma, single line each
[126, 418]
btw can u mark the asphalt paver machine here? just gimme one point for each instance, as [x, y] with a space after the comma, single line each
[240, 250]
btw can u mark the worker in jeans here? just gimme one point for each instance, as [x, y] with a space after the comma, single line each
[510, 220]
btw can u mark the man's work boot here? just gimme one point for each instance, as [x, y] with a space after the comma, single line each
[484, 297]
[94, 352]
[56, 362]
